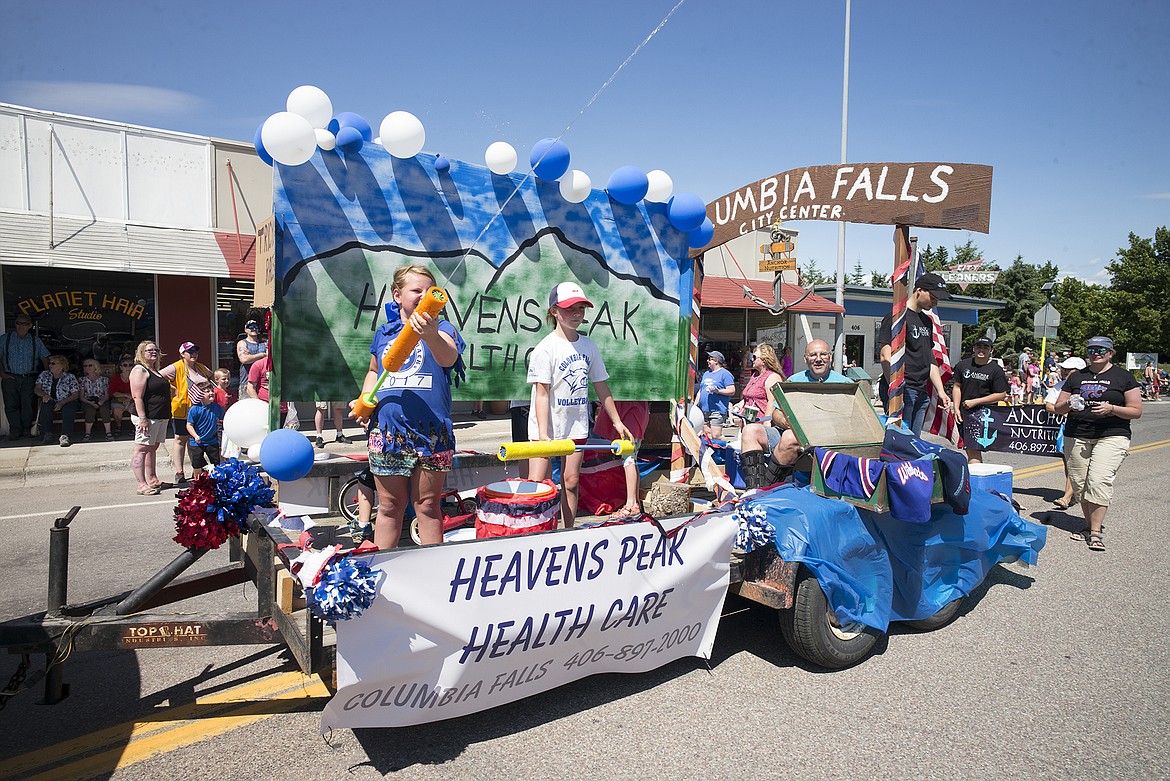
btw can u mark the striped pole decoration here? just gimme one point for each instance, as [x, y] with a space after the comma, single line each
[900, 282]
[678, 461]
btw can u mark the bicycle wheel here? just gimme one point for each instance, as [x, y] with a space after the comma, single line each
[347, 500]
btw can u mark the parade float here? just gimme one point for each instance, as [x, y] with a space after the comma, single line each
[419, 634]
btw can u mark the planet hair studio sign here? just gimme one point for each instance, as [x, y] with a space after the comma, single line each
[924, 195]
[463, 627]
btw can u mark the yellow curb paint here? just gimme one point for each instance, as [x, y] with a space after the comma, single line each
[184, 735]
[165, 721]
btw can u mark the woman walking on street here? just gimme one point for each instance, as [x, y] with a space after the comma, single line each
[150, 412]
[1100, 401]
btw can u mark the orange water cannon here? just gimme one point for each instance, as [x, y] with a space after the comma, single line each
[403, 345]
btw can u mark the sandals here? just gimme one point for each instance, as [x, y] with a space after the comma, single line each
[1061, 504]
[1083, 535]
[1094, 539]
[148, 491]
[625, 514]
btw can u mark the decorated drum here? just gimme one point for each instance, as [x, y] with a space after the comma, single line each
[517, 507]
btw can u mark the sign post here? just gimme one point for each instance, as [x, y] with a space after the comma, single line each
[1044, 325]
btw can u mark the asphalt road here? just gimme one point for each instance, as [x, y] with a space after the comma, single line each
[1059, 671]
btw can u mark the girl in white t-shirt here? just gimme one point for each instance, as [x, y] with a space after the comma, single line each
[560, 370]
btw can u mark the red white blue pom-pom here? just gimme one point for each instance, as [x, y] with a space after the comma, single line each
[197, 525]
[345, 589]
[238, 489]
[753, 531]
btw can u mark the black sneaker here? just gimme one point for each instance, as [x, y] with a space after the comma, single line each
[319, 442]
[342, 438]
[65, 441]
[47, 439]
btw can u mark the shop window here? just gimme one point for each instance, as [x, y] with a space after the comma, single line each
[83, 314]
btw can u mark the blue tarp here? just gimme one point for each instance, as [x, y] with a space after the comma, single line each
[875, 569]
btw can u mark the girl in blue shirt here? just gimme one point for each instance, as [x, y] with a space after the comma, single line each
[411, 442]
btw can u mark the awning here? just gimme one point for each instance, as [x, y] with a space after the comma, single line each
[724, 293]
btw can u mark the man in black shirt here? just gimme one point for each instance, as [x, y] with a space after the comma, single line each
[979, 382]
[921, 372]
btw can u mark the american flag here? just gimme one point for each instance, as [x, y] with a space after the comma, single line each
[943, 422]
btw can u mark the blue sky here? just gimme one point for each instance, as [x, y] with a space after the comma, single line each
[1066, 99]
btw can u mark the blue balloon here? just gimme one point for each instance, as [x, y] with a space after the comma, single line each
[686, 211]
[442, 164]
[350, 139]
[286, 455]
[259, 144]
[701, 235]
[350, 119]
[549, 159]
[628, 185]
[333, 126]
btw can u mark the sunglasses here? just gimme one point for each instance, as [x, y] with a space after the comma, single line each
[23, 322]
[1096, 350]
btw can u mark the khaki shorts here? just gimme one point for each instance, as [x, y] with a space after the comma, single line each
[155, 433]
[1093, 465]
[325, 405]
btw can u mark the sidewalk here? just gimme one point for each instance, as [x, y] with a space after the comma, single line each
[23, 459]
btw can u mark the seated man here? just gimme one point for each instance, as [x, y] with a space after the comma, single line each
[757, 473]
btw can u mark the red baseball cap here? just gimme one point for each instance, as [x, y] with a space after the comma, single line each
[566, 294]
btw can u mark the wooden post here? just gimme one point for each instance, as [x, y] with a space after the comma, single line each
[900, 281]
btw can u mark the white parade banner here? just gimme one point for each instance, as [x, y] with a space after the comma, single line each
[465, 626]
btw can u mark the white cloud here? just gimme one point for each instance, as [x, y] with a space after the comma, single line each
[1155, 197]
[100, 99]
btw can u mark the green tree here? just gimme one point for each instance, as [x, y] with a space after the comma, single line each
[1085, 311]
[968, 253]
[1140, 285]
[1018, 286]
[877, 279]
[812, 274]
[858, 277]
[933, 259]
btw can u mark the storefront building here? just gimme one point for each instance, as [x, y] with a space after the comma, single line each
[111, 234]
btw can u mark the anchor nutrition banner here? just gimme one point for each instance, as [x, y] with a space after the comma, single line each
[463, 627]
[1028, 429]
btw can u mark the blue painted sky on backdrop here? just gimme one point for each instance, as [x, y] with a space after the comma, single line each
[1066, 99]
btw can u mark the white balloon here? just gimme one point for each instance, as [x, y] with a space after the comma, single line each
[289, 138]
[325, 139]
[402, 134]
[500, 158]
[576, 186]
[246, 422]
[254, 452]
[661, 186]
[695, 416]
[311, 103]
